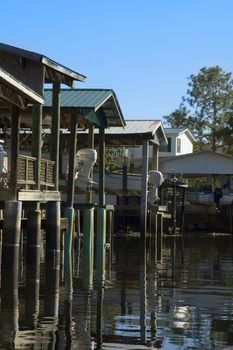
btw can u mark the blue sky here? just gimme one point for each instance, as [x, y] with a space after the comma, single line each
[143, 49]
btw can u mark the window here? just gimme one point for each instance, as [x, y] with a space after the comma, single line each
[178, 146]
[166, 148]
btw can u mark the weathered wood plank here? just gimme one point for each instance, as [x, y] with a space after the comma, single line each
[45, 196]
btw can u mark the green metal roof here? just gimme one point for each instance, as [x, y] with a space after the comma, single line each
[96, 100]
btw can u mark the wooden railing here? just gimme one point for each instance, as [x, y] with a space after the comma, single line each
[47, 173]
[27, 172]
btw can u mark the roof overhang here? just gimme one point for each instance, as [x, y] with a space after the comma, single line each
[15, 92]
[26, 60]
[104, 113]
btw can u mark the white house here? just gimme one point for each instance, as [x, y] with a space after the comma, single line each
[180, 141]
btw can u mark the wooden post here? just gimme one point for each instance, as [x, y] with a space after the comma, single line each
[101, 167]
[37, 140]
[91, 144]
[33, 237]
[15, 125]
[125, 190]
[144, 186]
[69, 214]
[9, 306]
[101, 214]
[33, 267]
[182, 210]
[88, 251]
[69, 210]
[100, 245]
[11, 234]
[99, 318]
[51, 299]
[53, 229]
[155, 157]
[109, 239]
[174, 208]
[78, 230]
[55, 134]
[72, 161]
[143, 293]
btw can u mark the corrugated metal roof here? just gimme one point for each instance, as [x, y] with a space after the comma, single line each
[79, 98]
[98, 100]
[136, 127]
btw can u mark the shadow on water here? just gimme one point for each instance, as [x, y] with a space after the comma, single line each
[175, 294]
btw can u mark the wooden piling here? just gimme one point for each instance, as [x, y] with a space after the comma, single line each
[33, 266]
[78, 246]
[52, 280]
[69, 214]
[33, 237]
[100, 245]
[55, 130]
[144, 186]
[11, 234]
[53, 223]
[88, 251]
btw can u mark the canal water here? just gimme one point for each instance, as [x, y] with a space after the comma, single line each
[180, 297]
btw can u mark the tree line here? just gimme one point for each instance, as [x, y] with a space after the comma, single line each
[207, 110]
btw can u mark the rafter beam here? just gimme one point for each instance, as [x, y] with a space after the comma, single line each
[16, 92]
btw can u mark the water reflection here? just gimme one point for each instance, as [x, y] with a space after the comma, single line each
[178, 298]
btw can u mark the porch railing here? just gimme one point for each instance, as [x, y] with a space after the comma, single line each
[27, 172]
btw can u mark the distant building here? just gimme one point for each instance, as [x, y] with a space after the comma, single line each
[180, 141]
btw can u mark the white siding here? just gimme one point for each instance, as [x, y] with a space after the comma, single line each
[186, 144]
[199, 163]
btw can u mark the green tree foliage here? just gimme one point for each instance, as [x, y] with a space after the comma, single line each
[179, 118]
[210, 114]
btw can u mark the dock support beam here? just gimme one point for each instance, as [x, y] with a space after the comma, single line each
[37, 140]
[144, 186]
[55, 136]
[11, 234]
[33, 266]
[69, 210]
[88, 247]
[69, 214]
[101, 212]
[15, 125]
[101, 245]
[53, 229]
[101, 167]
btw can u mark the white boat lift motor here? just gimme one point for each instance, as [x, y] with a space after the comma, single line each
[155, 180]
[86, 158]
[3, 159]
